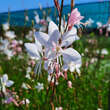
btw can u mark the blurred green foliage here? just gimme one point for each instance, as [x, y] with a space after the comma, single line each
[92, 84]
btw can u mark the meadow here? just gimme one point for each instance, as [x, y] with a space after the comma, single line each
[23, 87]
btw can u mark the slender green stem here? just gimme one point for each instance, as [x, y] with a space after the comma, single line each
[109, 96]
[9, 15]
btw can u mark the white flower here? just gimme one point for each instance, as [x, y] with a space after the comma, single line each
[37, 19]
[54, 36]
[50, 79]
[58, 108]
[6, 26]
[4, 44]
[5, 82]
[54, 48]
[82, 54]
[43, 28]
[30, 36]
[108, 27]
[26, 101]
[24, 86]
[29, 69]
[73, 67]
[89, 22]
[5, 48]
[48, 19]
[97, 51]
[28, 76]
[86, 50]
[26, 18]
[39, 86]
[10, 34]
[93, 60]
[20, 42]
[99, 109]
[53, 44]
[72, 60]
[104, 52]
[9, 53]
[36, 52]
[99, 24]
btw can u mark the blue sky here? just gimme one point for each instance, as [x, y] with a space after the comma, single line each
[14, 5]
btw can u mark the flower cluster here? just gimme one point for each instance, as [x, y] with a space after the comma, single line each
[9, 96]
[54, 51]
[9, 45]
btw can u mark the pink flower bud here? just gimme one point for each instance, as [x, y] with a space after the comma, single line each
[13, 46]
[19, 49]
[43, 22]
[69, 84]
[57, 68]
[102, 56]
[100, 31]
[65, 75]
[32, 62]
[87, 64]
[106, 34]
[74, 18]
[60, 108]
[14, 53]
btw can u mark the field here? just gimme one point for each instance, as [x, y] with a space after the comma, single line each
[89, 91]
[55, 65]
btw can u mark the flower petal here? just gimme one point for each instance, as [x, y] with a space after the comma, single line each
[49, 67]
[3, 89]
[78, 71]
[37, 69]
[72, 68]
[50, 54]
[75, 17]
[69, 37]
[65, 67]
[9, 83]
[71, 55]
[42, 38]
[4, 79]
[32, 50]
[54, 37]
[52, 27]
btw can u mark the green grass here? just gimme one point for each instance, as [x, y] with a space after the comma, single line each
[89, 92]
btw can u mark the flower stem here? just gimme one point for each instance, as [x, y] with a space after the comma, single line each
[57, 6]
[9, 15]
[53, 108]
[67, 23]
[99, 99]
[60, 15]
[109, 96]
[72, 5]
